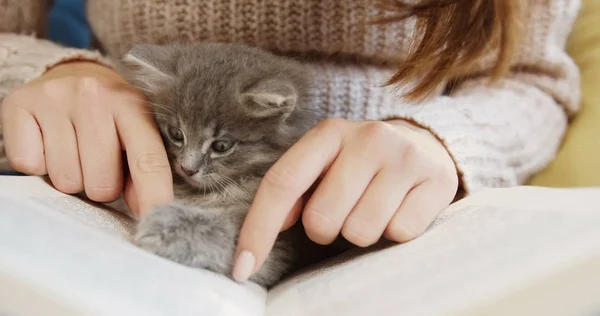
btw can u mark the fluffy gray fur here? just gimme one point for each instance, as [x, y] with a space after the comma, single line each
[256, 105]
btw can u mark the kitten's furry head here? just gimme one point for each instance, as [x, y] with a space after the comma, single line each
[226, 112]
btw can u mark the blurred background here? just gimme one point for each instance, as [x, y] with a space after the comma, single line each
[67, 23]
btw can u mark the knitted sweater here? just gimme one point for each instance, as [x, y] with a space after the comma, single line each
[497, 135]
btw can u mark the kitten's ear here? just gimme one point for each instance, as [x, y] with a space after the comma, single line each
[270, 98]
[148, 67]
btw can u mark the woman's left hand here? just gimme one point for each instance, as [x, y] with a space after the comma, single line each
[377, 179]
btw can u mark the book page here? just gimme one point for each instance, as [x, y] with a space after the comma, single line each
[60, 261]
[95, 215]
[479, 251]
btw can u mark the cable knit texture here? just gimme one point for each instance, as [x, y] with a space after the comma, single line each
[498, 135]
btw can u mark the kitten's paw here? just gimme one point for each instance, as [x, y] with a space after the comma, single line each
[206, 238]
[192, 236]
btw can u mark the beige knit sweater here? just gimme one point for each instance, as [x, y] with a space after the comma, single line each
[498, 136]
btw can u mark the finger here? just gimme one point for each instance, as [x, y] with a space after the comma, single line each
[294, 215]
[62, 155]
[348, 177]
[421, 206]
[99, 149]
[23, 143]
[279, 190]
[298, 208]
[146, 155]
[370, 216]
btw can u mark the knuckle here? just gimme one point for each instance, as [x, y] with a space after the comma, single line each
[151, 162]
[88, 85]
[375, 130]
[447, 174]
[442, 174]
[89, 90]
[407, 153]
[52, 87]
[319, 227]
[283, 178]
[408, 149]
[13, 98]
[330, 124]
[359, 233]
[331, 129]
[380, 138]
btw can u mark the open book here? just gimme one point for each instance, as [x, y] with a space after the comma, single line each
[519, 251]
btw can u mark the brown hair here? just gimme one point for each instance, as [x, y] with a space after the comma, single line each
[452, 35]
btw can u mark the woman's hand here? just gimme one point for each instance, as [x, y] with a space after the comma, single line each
[73, 123]
[387, 179]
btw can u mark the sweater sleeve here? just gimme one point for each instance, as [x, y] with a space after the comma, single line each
[25, 56]
[498, 135]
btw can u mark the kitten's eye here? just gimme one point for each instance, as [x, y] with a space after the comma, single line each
[221, 146]
[175, 133]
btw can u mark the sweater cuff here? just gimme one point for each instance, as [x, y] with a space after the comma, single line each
[477, 166]
[496, 136]
[24, 58]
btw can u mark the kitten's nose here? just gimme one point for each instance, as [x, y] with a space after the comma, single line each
[188, 172]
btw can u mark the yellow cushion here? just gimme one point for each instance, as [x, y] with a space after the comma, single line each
[578, 161]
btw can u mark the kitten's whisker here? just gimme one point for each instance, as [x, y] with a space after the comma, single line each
[158, 105]
[223, 186]
[219, 183]
[227, 185]
[167, 109]
[227, 181]
[160, 115]
[156, 114]
[234, 185]
[161, 107]
[210, 182]
[213, 184]
[145, 90]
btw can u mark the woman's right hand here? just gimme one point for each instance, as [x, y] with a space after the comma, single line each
[73, 123]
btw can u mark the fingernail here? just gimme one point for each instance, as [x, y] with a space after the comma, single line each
[243, 266]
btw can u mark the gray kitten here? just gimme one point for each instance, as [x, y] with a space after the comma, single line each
[226, 113]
